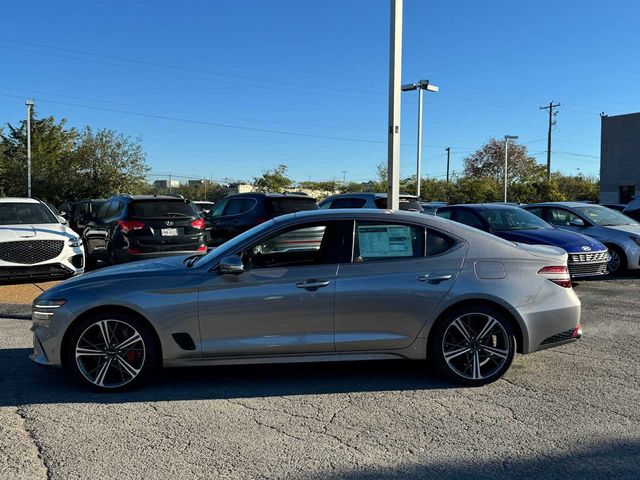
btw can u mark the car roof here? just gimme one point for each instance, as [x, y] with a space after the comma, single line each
[368, 195]
[151, 197]
[268, 195]
[562, 204]
[19, 199]
[481, 206]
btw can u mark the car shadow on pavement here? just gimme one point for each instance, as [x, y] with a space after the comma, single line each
[596, 460]
[23, 382]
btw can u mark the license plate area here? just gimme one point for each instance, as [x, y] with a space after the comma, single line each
[169, 232]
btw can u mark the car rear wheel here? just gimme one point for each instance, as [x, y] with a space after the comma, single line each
[473, 346]
[617, 261]
[111, 352]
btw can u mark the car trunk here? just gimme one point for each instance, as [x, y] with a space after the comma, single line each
[164, 225]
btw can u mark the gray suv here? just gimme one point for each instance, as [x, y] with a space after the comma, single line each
[369, 200]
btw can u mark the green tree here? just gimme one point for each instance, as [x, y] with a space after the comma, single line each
[68, 164]
[579, 187]
[275, 181]
[488, 161]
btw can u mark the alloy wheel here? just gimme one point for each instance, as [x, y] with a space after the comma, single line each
[110, 353]
[475, 346]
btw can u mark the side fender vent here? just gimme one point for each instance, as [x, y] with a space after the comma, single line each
[184, 341]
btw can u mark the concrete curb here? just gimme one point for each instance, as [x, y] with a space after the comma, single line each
[15, 310]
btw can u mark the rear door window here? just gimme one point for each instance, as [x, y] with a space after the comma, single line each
[161, 209]
[468, 218]
[237, 206]
[348, 203]
[283, 206]
[376, 241]
[438, 243]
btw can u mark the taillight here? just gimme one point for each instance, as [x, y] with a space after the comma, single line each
[198, 223]
[202, 248]
[558, 274]
[129, 225]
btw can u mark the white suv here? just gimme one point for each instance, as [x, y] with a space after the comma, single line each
[35, 244]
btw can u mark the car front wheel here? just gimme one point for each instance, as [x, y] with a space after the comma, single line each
[111, 352]
[617, 261]
[473, 346]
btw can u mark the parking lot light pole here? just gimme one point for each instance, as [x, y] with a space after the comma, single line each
[420, 86]
[393, 139]
[506, 149]
[29, 103]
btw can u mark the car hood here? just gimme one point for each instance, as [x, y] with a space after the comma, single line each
[570, 241]
[44, 231]
[635, 229]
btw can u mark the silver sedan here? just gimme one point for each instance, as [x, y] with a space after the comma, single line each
[358, 285]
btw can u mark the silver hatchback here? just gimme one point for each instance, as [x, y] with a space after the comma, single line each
[357, 285]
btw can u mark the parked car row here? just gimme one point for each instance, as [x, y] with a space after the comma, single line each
[122, 228]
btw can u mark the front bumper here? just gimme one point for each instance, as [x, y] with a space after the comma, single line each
[70, 262]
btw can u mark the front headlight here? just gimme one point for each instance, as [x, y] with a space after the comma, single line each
[45, 309]
[636, 240]
[75, 242]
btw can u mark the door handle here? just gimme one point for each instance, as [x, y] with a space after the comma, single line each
[430, 278]
[312, 284]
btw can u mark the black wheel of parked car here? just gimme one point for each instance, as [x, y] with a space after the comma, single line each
[112, 352]
[473, 345]
[617, 261]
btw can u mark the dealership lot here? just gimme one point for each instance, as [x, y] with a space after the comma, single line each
[568, 412]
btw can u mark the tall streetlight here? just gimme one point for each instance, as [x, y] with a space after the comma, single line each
[29, 103]
[506, 148]
[395, 72]
[420, 86]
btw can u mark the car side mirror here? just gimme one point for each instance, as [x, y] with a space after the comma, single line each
[576, 222]
[231, 265]
[64, 214]
[62, 220]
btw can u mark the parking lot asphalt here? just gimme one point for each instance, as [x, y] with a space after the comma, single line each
[571, 412]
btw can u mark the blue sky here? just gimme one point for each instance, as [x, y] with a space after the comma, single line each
[306, 82]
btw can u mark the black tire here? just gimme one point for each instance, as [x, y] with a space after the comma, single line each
[460, 367]
[89, 261]
[143, 356]
[621, 266]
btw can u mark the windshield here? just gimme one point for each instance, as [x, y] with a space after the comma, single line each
[501, 219]
[228, 246]
[605, 217]
[25, 213]
[161, 208]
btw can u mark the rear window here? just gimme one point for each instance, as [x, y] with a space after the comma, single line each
[282, 206]
[407, 204]
[161, 208]
[25, 213]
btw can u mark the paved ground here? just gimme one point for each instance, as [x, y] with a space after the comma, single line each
[23, 293]
[567, 413]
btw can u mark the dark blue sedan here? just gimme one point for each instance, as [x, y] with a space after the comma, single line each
[587, 256]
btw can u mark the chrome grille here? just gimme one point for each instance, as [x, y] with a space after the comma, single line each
[589, 257]
[28, 252]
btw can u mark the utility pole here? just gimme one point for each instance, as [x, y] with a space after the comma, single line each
[395, 73]
[29, 104]
[344, 178]
[552, 122]
[170, 184]
[448, 160]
